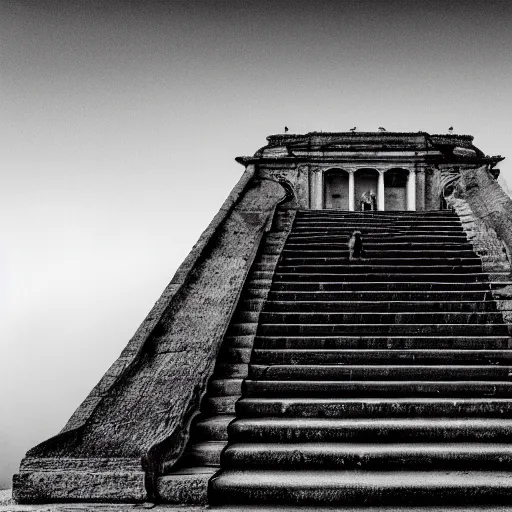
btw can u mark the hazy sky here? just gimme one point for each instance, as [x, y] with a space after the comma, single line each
[119, 125]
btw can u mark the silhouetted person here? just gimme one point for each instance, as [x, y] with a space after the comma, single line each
[355, 246]
[368, 201]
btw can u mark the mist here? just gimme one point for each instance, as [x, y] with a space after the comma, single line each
[119, 128]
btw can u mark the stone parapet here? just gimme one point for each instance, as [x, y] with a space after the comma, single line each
[138, 417]
[486, 215]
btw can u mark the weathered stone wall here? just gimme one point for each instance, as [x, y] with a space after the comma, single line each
[486, 242]
[488, 201]
[486, 215]
[296, 176]
[138, 416]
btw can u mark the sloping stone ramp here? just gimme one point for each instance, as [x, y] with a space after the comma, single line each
[376, 383]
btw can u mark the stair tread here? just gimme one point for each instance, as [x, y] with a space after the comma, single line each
[398, 423]
[453, 403]
[370, 479]
[374, 400]
[368, 447]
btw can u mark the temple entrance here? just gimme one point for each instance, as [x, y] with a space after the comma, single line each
[395, 189]
[365, 181]
[336, 190]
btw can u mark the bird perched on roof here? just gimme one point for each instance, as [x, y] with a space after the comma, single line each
[450, 129]
[382, 129]
[286, 129]
[353, 129]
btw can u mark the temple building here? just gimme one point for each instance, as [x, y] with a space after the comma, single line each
[283, 367]
[334, 170]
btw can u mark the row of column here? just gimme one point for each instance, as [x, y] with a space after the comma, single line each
[317, 201]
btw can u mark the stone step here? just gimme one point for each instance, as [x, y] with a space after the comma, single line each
[268, 258]
[378, 286]
[384, 245]
[375, 388]
[370, 260]
[242, 328]
[404, 252]
[380, 357]
[212, 428]
[335, 219]
[219, 405]
[243, 341]
[447, 277]
[221, 387]
[260, 293]
[399, 361]
[398, 407]
[378, 306]
[297, 372]
[374, 430]
[257, 283]
[359, 508]
[373, 296]
[391, 329]
[369, 232]
[398, 215]
[343, 488]
[376, 223]
[405, 317]
[368, 456]
[385, 238]
[366, 267]
[379, 232]
[234, 354]
[185, 485]
[231, 370]
[386, 220]
[466, 342]
[203, 454]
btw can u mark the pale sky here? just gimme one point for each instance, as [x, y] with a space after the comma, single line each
[119, 126]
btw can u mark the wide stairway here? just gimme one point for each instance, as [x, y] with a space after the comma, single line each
[382, 382]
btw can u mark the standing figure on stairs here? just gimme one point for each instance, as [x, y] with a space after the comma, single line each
[355, 246]
[368, 201]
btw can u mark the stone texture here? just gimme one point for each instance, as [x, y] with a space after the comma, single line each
[136, 420]
[143, 407]
[48, 486]
[486, 215]
[484, 238]
[488, 201]
[186, 488]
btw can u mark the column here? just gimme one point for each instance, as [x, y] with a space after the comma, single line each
[320, 190]
[351, 191]
[411, 190]
[420, 190]
[380, 191]
[317, 190]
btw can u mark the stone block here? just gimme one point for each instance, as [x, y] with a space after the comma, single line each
[50, 486]
[187, 487]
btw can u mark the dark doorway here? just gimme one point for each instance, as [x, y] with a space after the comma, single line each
[395, 189]
[336, 190]
[365, 181]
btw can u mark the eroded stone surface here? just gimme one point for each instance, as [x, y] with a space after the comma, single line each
[145, 413]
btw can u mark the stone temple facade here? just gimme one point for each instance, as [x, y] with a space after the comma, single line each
[276, 369]
[406, 171]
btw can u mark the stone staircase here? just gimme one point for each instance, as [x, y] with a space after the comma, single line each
[384, 382]
[188, 482]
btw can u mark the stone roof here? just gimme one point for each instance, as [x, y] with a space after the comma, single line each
[452, 147]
